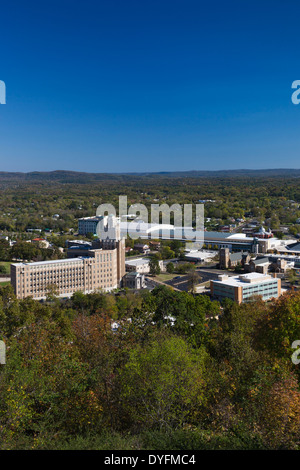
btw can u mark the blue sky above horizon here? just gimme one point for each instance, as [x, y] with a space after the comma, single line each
[104, 86]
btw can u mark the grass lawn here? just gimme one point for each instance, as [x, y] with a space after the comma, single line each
[206, 284]
[165, 277]
[5, 283]
[6, 265]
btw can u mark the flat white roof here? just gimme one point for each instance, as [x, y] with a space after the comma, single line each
[81, 242]
[92, 218]
[55, 261]
[146, 228]
[200, 254]
[285, 257]
[143, 227]
[241, 280]
[239, 236]
[137, 261]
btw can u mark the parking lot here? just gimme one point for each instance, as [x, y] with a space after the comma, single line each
[181, 282]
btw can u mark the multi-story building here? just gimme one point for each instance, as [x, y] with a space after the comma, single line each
[100, 269]
[88, 225]
[141, 265]
[246, 286]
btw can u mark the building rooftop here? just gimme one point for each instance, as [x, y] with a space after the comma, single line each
[260, 261]
[92, 218]
[238, 256]
[244, 279]
[155, 229]
[55, 261]
[133, 274]
[137, 261]
[201, 255]
[80, 242]
[294, 247]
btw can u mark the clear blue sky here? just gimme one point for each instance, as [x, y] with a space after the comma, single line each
[126, 85]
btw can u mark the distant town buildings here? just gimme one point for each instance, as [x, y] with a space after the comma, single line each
[252, 240]
[262, 233]
[100, 264]
[142, 248]
[274, 263]
[255, 242]
[41, 242]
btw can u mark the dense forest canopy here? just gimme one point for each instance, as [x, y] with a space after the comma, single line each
[32, 200]
[154, 370]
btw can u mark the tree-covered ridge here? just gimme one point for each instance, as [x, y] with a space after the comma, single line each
[154, 370]
[68, 176]
[34, 203]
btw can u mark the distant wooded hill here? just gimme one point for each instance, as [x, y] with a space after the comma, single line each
[66, 176]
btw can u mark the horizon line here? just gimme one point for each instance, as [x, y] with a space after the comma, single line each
[149, 171]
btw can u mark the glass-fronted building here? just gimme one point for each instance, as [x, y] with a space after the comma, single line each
[245, 287]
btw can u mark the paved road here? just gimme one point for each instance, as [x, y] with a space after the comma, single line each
[151, 283]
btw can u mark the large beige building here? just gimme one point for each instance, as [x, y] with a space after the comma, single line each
[99, 269]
